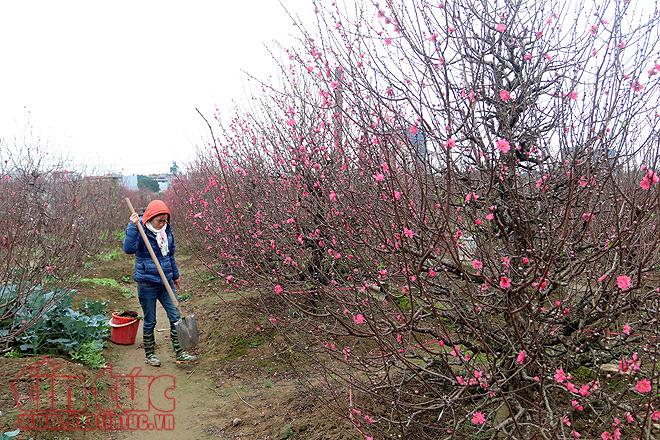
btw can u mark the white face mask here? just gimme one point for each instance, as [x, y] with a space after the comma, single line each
[161, 238]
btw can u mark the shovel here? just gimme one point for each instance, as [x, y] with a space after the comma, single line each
[186, 327]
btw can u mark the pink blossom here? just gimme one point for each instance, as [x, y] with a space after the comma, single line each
[500, 27]
[477, 264]
[478, 418]
[560, 376]
[521, 357]
[587, 216]
[291, 122]
[413, 130]
[528, 56]
[229, 278]
[575, 434]
[388, 41]
[358, 319]
[637, 86]
[626, 329]
[333, 196]
[629, 365]
[397, 195]
[503, 145]
[525, 260]
[650, 179]
[278, 289]
[505, 282]
[408, 232]
[571, 387]
[584, 390]
[573, 95]
[432, 273]
[505, 95]
[379, 177]
[643, 386]
[451, 29]
[451, 143]
[490, 216]
[624, 282]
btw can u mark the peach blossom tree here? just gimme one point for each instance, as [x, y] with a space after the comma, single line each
[451, 211]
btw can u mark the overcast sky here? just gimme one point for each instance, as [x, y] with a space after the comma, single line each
[115, 84]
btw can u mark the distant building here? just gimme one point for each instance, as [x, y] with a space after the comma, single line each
[163, 185]
[163, 181]
[130, 182]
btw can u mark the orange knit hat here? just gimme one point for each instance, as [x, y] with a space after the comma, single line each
[154, 208]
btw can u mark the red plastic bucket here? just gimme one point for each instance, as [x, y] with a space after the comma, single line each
[123, 329]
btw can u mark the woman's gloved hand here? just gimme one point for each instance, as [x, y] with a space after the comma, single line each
[134, 218]
[176, 283]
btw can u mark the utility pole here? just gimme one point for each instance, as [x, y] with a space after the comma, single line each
[338, 120]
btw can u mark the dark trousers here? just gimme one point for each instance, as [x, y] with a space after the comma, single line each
[149, 293]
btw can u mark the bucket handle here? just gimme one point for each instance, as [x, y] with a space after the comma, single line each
[122, 325]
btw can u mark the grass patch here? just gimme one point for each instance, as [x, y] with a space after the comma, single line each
[286, 432]
[90, 354]
[239, 345]
[110, 255]
[108, 282]
[584, 374]
[403, 302]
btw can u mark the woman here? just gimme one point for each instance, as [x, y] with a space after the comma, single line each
[150, 286]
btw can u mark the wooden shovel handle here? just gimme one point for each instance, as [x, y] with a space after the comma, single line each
[153, 256]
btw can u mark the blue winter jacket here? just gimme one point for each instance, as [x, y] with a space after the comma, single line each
[145, 269]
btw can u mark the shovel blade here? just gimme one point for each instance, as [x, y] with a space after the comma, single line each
[186, 329]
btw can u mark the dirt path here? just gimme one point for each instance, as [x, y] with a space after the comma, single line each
[195, 400]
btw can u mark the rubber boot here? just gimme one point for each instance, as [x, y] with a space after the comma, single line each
[149, 350]
[180, 354]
